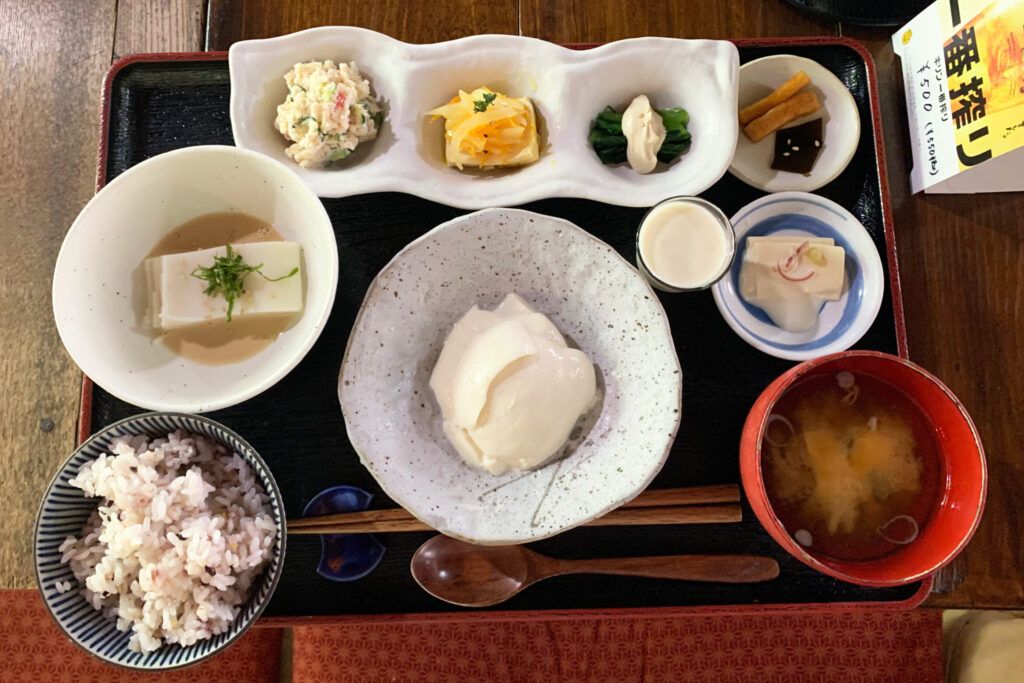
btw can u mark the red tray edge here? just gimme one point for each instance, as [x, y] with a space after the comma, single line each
[85, 411]
[612, 613]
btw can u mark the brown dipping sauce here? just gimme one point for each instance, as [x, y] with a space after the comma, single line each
[219, 342]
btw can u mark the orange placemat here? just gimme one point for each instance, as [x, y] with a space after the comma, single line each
[34, 650]
[873, 647]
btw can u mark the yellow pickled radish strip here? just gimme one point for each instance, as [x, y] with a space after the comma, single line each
[485, 128]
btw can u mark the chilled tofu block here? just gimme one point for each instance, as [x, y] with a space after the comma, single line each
[176, 297]
[790, 277]
[821, 274]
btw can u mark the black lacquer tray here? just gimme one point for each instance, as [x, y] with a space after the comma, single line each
[156, 103]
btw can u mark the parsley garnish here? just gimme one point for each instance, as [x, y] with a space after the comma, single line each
[226, 276]
[488, 99]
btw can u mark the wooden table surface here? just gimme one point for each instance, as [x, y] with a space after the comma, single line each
[961, 258]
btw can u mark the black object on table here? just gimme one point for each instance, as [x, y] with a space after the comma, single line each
[863, 12]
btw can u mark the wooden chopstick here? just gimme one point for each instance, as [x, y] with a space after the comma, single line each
[691, 505]
[685, 514]
[691, 495]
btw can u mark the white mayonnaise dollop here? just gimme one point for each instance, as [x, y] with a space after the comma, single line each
[644, 131]
[509, 388]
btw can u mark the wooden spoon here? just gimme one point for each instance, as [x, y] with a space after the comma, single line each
[478, 576]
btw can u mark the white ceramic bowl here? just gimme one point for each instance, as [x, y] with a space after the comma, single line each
[96, 293]
[568, 88]
[594, 297]
[840, 323]
[838, 112]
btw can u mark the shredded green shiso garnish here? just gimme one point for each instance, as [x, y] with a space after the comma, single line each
[226, 277]
[610, 144]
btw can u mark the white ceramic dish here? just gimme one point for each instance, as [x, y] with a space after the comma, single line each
[97, 293]
[568, 88]
[840, 119]
[594, 297]
[840, 323]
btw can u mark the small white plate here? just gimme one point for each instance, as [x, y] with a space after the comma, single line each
[568, 88]
[840, 120]
[840, 323]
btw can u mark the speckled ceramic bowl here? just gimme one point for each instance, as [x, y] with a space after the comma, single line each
[599, 301]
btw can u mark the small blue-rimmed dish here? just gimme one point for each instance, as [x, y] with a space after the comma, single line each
[840, 323]
[64, 511]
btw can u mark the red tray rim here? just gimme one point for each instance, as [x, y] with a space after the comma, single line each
[85, 408]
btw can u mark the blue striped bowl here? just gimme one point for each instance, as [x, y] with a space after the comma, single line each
[64, 511]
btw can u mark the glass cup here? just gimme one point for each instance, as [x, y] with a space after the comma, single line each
[659, 280]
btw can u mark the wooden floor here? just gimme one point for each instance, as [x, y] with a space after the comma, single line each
[961, 258]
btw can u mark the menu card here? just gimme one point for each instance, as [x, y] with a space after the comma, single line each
[963, 71]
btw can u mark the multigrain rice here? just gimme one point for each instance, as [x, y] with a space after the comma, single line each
[178, 541]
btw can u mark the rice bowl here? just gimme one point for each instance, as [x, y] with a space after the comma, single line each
[180, 556]
[183, 534]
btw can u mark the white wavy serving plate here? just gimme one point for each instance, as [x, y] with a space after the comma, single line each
[568, 88]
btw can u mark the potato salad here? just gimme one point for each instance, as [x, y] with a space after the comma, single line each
[328, 112]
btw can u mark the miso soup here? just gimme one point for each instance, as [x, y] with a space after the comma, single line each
[851, 466]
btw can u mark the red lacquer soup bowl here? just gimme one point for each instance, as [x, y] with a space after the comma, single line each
[962, 479]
